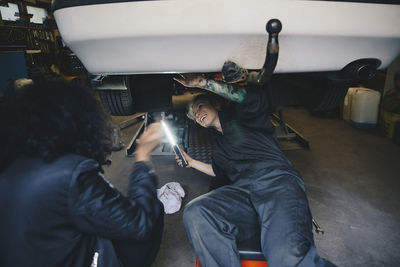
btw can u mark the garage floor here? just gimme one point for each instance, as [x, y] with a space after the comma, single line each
[353, 185]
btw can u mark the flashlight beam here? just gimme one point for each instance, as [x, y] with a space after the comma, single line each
[168, 133]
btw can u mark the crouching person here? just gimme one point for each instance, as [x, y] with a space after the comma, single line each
[56, 207]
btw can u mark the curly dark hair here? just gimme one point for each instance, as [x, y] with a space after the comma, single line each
[51, 118]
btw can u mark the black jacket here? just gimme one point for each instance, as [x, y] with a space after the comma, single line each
[61, 213]
[248, 142]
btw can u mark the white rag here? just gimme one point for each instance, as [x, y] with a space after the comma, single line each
[171, 195]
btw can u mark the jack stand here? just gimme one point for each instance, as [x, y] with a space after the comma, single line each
[142, 126]
[132, 120]
[288, 137]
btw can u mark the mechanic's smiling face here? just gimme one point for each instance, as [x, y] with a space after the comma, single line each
[206, 115]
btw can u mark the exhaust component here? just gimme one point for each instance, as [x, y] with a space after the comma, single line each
[361, 69]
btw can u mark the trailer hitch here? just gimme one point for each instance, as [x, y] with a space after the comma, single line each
[273, 27]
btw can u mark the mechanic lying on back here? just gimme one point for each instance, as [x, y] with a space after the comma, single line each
[266, 195]
[56, 208]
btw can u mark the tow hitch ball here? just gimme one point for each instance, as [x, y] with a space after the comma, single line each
[273, 27]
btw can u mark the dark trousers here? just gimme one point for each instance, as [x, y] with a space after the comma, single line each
[141, 253]
[273, 205]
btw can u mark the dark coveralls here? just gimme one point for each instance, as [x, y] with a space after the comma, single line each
[266, 196]
[64, 213]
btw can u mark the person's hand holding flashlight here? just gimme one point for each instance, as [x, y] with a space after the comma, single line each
[188, 158]
[148, 141]
[195, 164]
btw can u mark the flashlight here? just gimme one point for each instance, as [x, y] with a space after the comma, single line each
[175, 147]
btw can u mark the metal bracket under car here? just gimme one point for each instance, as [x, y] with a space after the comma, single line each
[124, 95]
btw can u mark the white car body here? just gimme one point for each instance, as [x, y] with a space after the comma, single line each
[180, 36]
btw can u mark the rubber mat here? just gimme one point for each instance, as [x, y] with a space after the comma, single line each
[199, 143]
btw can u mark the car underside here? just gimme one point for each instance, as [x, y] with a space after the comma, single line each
[307, 45]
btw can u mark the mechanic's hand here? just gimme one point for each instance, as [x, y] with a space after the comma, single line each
[191, 80]
[188, 158]
[148, 141]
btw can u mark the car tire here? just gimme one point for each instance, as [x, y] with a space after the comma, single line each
[118, 102]
[327, 100]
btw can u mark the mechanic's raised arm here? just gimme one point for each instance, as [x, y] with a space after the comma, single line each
[97, 208]
[229, 91]
[195, 164]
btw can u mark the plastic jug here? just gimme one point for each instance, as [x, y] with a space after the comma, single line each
[364, 108]
[347, 103]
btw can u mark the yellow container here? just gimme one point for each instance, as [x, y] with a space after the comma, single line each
[388, 122]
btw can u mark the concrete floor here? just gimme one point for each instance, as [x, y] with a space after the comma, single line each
[353, 184]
